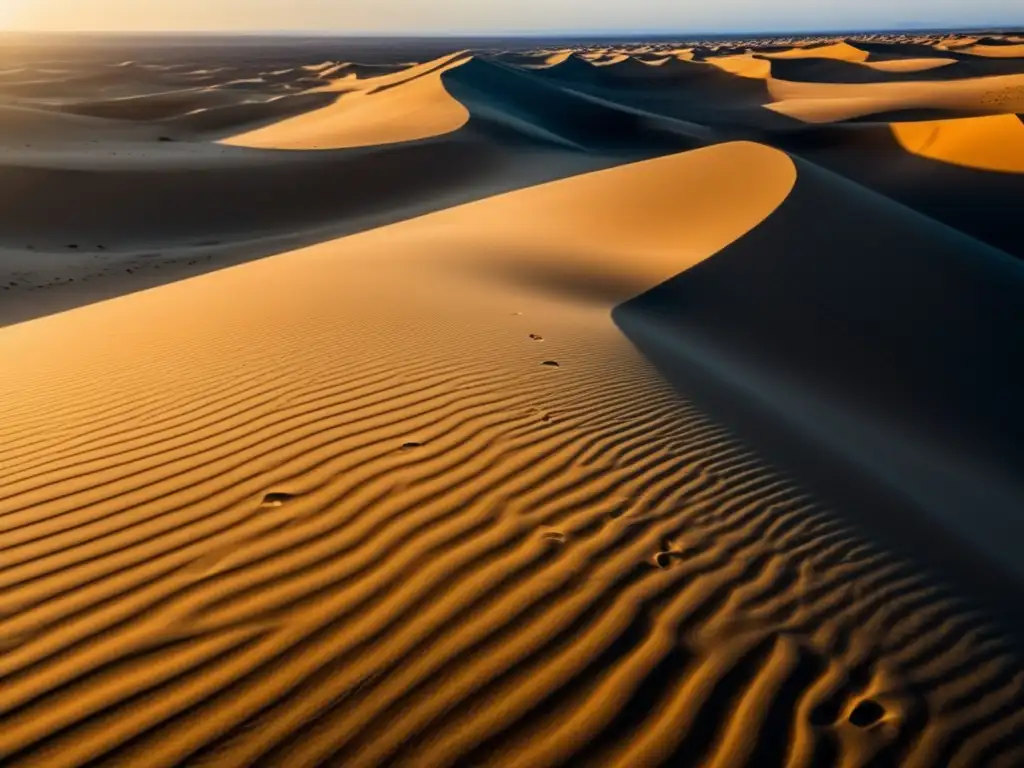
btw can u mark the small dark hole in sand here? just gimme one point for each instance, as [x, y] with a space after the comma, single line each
[166, 138]
[867, 713]
[547, 417]
[664, 559]
[276, 499]
[550, 363]
[410, 446]
[72, 245]
[535, 337]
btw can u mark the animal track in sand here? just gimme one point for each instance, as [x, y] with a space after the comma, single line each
[664, 559]
[276, 499]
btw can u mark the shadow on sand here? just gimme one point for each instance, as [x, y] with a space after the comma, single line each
[876, 351]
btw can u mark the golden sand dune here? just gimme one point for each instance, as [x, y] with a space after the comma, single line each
[744, 65]
[989, 143]
[828, 102]
[995, 51]
[386, 113]
[842, 51]
[567, 421]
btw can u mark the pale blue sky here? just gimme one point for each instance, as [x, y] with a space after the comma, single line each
[503, 16]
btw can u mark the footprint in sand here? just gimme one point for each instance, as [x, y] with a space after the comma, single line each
[867, 713]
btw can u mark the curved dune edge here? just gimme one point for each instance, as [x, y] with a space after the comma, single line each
[331, 507]
[403, 74]
[830, 102]
[590, 221]
[407, 108]
[908, 65]
[994, 51]
[744, 65]
[994, 143]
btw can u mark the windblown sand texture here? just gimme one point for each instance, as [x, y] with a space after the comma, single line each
[371, 404]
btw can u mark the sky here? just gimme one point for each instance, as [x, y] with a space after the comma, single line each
[503, 16]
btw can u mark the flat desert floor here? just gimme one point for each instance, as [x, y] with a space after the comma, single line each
[376, 403]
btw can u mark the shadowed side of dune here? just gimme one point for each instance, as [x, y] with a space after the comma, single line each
[155, 106]
[247, 115]
[161, 206]
[684, 90]
[850, 335]
[975, 201]
[888, 51]
[526, 105]
[928, 69]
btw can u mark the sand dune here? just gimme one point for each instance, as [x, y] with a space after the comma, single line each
[841, 51]
[567, 421]
[408, 110]
[995, 51]
[829, 102]
[988, 143]
[909, 65]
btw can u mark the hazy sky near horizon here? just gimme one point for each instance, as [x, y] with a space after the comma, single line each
[501, 16]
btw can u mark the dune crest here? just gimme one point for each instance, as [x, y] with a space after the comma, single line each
[412, 107]
[744, 65]
[842, 51]
[590, 221]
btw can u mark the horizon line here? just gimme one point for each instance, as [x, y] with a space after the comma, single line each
[604, 33]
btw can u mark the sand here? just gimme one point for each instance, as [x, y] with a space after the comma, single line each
[383, 407]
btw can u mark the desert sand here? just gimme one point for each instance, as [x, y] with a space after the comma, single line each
[389, 403]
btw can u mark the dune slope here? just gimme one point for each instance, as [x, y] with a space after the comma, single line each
[320, 512]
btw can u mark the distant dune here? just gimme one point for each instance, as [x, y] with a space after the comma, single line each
[629, 405]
